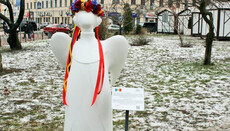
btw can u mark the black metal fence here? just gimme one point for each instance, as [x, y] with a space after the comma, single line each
[37, 35]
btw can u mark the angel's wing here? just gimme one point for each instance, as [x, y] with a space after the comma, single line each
[115, 53]
[60, 46]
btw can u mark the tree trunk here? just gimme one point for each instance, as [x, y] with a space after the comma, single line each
[1, 62]
[13, 35]
[14, 41]
[208, 51]
[176, 29]
[181, 39]
[210, 36]
[120, 30]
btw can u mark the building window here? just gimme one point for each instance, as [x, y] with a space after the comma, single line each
[142, 2]
[133, 2]
[177, 4]
[47, 4]
[51, 3]
[115, 1]
[170, 3]
[60, 3]
[42, 4]
[152, 2]
[186, 4]
[65, 3]
[194, 2]
[31, 5]
[55, 3]
[161, 4]
[102, 1]
[27, 5]
[34, 5]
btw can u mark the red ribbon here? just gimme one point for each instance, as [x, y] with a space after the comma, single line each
[69, 61]
[101, 70]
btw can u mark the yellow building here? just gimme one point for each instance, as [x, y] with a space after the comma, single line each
[58, 11]
[145, 10]
[52, 11]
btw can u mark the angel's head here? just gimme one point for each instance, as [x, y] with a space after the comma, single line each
[87, 13]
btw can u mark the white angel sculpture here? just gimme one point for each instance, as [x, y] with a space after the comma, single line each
[89, 109]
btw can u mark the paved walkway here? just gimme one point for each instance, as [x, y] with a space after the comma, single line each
[38, 35]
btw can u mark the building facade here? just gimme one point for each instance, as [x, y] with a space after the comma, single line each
[145, 10]
[52, 11]
[58, 11]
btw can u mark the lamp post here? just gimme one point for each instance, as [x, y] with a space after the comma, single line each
[68, 19]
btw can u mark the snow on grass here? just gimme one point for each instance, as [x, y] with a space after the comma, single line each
[180, 93]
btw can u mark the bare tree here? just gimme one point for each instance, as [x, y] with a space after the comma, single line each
[0, 61]
[208, 17]
[119, 6]
[201, 5]
[175, 7]
[13, 34]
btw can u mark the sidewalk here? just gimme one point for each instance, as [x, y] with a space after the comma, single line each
[38, 35]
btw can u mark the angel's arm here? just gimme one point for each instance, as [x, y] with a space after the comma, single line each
[116, 51]
[60, 46]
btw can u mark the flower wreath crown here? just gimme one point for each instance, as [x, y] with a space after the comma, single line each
[95, 8]
[88, 6]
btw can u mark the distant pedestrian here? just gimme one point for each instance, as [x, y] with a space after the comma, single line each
[28, 30]
[5, 28]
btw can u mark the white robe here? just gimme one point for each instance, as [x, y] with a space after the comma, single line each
[79, 114]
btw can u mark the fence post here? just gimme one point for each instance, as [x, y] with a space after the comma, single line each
[25, 38]
[20, 38]
[50, 35]
[33, 35]
[0, 41]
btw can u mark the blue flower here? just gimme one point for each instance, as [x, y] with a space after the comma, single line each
[94, 2]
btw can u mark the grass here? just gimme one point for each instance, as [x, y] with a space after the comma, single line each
[8, 71]
[23, 83]
[36, 94]
[171, 84]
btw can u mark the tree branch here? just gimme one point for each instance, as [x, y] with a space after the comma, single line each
[20, 16]
[10, 11]
[9, 23]
[205, 13]
[3, 2]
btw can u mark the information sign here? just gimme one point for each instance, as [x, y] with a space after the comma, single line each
[128, 98]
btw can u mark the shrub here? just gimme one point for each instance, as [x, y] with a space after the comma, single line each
[103, 31]
[143, 31]
[140, 40]
[138, 29]
[128, 19]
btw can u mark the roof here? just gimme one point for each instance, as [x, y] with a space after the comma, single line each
[219, 5]
[185, 12]
[164, 11]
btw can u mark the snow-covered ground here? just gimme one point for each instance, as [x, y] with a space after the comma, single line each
[180, 93]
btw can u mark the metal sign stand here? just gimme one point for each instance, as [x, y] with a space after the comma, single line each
[123, 99]
[126, 120]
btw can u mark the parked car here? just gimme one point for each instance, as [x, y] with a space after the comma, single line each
[113, 27]
[38, 26]
[44, 24]
[150, 26]
[71, 25]
[22, 25]
[66, 25]
[53, 28]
